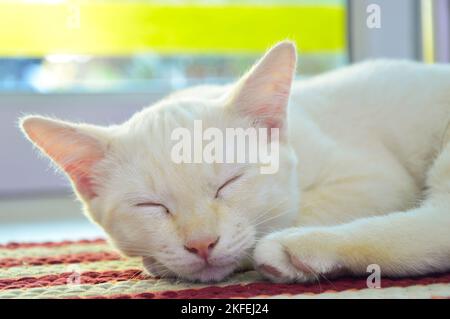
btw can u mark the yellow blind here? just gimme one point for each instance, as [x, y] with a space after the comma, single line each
[102, 28]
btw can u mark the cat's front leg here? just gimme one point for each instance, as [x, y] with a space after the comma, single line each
[414, 242]
[301, 254]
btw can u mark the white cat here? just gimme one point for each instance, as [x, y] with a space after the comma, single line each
[364, 174]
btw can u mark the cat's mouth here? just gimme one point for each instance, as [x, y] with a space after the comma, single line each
[207, 273]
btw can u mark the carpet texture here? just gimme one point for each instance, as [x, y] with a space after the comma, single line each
[91, 269]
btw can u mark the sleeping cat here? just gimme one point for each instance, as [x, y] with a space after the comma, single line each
[363, 178]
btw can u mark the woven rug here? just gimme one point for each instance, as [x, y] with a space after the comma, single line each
[91, 269]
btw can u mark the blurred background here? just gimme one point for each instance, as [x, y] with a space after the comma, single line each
[102, 60]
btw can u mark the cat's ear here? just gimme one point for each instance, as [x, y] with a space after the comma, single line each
[263, 93]
[75, 148]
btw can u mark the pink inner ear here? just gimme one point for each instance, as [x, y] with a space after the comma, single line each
[273, 123]
[270, 115]
[80, 173]
[85, 187]
[72, 148]
[264, 92]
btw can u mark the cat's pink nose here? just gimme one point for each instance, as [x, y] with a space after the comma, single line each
[201, 247]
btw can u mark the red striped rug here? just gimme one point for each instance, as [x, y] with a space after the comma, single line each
[91, 269]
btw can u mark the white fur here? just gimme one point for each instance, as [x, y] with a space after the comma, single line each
[364, 174]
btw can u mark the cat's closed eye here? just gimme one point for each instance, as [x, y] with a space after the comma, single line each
[228, 182]
[152, 204]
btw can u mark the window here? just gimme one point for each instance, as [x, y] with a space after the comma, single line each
[99, 61]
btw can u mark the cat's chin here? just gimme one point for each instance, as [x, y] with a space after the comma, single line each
[212, 273]
[209, 273]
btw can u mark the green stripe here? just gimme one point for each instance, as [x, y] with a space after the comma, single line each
[33, 271]
[54, 251]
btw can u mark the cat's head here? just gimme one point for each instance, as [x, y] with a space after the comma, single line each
[197, 221]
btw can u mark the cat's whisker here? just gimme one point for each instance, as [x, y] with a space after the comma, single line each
[272, 217]
[269, 210]
[267, 218]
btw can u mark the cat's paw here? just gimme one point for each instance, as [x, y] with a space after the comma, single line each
[299, 255]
